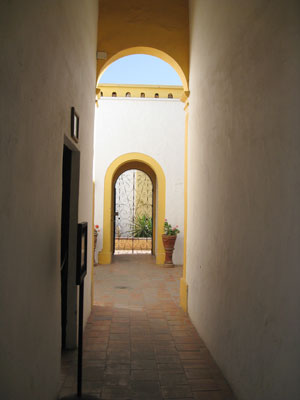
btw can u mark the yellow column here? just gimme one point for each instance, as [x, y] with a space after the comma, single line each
[183, 283]
[93, 247]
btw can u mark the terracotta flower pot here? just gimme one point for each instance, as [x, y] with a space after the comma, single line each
[169, 242]
[95, 244]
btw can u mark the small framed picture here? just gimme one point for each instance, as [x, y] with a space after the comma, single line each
[81, 252]
[74, 125]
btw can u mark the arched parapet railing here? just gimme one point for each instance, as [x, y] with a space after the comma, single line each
[151, 167]
[149, 51]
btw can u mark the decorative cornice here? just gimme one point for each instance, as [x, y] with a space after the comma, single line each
[139, 91]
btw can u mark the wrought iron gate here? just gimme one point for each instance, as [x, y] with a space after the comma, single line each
[133, 209]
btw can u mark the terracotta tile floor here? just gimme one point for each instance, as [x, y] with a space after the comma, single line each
[138, 343]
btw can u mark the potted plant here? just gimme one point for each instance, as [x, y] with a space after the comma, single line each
[169, 238]
[96, 231]
[142, 227]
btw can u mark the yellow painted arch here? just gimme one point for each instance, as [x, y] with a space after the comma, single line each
[116, 168]
[151, 52]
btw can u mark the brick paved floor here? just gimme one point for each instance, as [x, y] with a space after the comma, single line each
[138, 343]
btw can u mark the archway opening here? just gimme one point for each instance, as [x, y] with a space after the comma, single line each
[133, 213]
[140, 76]
[145, 117]
[147, 51]
[142, 163]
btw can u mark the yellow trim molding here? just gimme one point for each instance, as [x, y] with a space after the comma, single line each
[151, 167]
[183, 283]
[93, 247]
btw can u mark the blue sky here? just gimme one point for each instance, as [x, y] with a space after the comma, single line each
[141, 69]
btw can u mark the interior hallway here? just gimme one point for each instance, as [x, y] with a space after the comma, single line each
[138, 343]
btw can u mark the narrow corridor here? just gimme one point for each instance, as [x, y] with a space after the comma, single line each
[138, 343]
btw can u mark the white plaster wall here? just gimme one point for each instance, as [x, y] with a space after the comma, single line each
[47, 65]
[243, 252]
[151, 126]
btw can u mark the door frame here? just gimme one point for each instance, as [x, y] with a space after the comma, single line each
[153, 169]
[72, 292]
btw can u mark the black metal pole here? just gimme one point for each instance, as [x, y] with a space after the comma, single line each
[79, 395]
[80, 334]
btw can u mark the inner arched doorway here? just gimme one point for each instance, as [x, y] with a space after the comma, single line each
[151, 167]
[133, 213]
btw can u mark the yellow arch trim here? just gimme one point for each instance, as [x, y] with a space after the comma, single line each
[118, 166]
[151, 52]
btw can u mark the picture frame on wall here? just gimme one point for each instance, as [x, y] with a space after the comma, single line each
[74, 125]
[81, 269]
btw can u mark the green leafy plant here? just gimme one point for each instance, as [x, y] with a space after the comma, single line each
[142, 227]
[169, 230]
